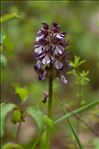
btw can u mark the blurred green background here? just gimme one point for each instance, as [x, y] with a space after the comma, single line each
[80, 19]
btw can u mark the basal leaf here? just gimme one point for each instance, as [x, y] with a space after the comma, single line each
[37, 115]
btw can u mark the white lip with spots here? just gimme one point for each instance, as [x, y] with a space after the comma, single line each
[59, 36]
[39, 37]
[46, 60]
[38, 50]
[63, 79]
[58, 65]
[58, 50]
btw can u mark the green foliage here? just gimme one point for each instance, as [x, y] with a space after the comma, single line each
[7, 17]
[71, 127]
[23, 92]
[12, 146]
[8, 44]
[37, 115]
[16, 116]
[44, 140]
[5, 108]
[82, 79]
[96, 143]
[3, 61]
[77, 62]
[2, 37]
[48, 122]
[81, 109]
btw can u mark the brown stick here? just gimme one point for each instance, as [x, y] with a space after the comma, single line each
[18, 131]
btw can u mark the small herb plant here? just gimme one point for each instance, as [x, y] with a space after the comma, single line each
[51, 63]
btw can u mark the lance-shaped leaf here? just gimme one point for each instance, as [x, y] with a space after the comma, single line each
[7, 17]
[37, 115]
[12, 146]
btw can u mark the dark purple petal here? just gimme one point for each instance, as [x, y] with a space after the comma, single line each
[45, 26]
[55, 27]
[41, 76]
[39, 64]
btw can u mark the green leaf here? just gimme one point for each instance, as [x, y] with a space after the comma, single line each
[2, 37]
[38, 116]
[7, 17]
[23, 92]
[44, 142]
[3, 61]
[77, 62]
[12, 146]
[81, 109]
[5, 108]
[96, 143]
[8, 44]
[48, 122]
[81, 62]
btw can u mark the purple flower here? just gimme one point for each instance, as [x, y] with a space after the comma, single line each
[50, 53]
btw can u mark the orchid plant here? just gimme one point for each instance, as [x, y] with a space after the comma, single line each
[51, 62]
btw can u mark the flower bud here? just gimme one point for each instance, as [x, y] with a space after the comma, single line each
[16, 116]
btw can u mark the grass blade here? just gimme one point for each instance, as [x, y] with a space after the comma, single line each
[81, 109]
[71, 127]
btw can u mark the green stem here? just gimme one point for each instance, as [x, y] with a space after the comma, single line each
[50, 85]
[79, 104]
[50, 95]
